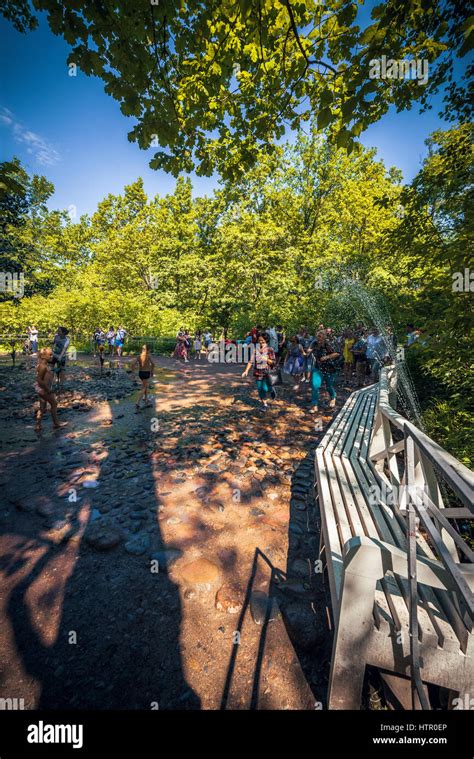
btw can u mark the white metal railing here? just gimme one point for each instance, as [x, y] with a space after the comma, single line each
[418, 502]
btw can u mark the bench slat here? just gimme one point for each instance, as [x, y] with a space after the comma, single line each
[346, 476]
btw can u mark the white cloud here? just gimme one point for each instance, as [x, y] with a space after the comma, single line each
[6, 117]
[37, 146]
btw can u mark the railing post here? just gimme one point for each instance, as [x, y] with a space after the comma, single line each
[362, 568]
[392, 386]
[416, 681]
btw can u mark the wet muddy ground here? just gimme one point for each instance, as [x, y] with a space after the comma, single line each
[138, 551]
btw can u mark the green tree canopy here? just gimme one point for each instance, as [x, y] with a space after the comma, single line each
[308, 234]
[216, 82]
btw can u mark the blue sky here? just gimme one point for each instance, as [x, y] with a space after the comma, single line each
[68, 129]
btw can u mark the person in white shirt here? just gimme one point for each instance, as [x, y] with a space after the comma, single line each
[119, 340]
[33, 335]
[110, 337]
[207, 341]
[60, 345]
[272, 338]
[375, 352]
[197, 345]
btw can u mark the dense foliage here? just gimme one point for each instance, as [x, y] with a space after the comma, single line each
[214, 83]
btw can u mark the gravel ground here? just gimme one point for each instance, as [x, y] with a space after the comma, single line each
[138, 551]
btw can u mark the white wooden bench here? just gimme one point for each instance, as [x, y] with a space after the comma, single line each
[401, 597]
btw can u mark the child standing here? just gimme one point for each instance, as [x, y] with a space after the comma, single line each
[43, 386]
[101, 357]
[146, 368]
[197, 345]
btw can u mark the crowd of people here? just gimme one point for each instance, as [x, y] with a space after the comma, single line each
[315, 357]
[197, 347]
[51, 367]
[318, 357]
[112, 339]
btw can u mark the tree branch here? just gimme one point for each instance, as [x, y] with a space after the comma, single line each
[295, 31]
[313, 62]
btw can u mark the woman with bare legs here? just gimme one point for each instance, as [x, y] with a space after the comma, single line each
[146, 369]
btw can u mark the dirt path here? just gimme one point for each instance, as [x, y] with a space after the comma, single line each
[149, 590]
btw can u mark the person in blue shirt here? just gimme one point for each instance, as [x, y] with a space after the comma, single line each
[376, 350]
[412, 334]
[119, 340]
[110, 337]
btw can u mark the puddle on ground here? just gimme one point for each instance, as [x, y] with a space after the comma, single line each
[83, 380]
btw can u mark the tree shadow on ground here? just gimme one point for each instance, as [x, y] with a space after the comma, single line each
[112, 640]
[126, 619]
